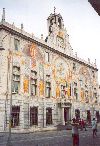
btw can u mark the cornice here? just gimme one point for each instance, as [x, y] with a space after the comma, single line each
[42, 44]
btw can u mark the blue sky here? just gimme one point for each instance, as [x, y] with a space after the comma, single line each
[80, 20]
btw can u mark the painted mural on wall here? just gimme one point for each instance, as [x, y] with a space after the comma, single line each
[41, 82]
[86, 91]
[60, 69]
[33, 56]
[62, 76]
[27, 67]
[26, 84]
[33, 51]
[41, 88]
[82, 94]
[85, 73]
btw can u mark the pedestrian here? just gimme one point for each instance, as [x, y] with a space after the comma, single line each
[75, 133]
[83, 125]
[94, 127]
[80, 124]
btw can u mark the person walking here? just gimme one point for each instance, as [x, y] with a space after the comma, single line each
[80, 124]
[75, 132]
[83, 124]
[94, 127]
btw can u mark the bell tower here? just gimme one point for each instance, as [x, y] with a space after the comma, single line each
[54, 20]
[57, 34]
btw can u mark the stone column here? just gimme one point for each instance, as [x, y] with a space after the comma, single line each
[69, 114]
[63, 121]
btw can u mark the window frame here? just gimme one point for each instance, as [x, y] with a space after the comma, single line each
[16, 44]
[15, 116]
[33, 116]
[48, 89]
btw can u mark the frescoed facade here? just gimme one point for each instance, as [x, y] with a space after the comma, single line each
[48, 84]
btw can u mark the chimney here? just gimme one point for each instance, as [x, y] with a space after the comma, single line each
[89, 60]
[22, 26]
[76, 54]
[95, 62]
[32, 35]
[3, 15]
[42, 36]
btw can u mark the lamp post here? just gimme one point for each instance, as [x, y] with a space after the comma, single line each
[10, 61]
[43, 111]
[9, 136]
[1, 49]
[10, 116]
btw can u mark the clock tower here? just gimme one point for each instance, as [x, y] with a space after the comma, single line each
[57, 34]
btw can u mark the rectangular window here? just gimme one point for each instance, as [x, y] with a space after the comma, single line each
[75, 93]
[48, 116]
[86, 93]
[62, 91]
[74, 66]
[86, 96]
[15, 87]
[16, 79]
[16, 44]
[93, 74]
[48, 89]
[95, 95]
[33, 86]
[75, 90]
[47, 56]
[15, 116]
[33, 83]
[33, 116]
[81, 83]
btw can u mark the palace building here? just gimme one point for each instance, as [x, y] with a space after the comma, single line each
[42, 83]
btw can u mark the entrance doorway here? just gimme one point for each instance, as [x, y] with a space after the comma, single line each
[89, 116]
[66, 114]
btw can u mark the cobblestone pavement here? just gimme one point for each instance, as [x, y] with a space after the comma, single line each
[50, 138]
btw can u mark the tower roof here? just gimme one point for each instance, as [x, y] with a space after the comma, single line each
[55, 14]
